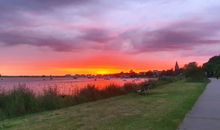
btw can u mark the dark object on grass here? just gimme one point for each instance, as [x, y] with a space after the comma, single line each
[144, 89]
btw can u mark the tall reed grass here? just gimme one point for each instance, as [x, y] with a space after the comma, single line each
[22, 100]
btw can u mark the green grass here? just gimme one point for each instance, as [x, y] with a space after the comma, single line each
[163, 109]
[22, 100]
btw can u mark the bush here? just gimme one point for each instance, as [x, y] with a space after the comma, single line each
[129, 87]
[2, 99]
[50, 99]
[112, 90]
[2, 96]
[89, 93]
[18, 102]
[161, 81]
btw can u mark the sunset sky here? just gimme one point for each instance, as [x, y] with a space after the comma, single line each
[105, 36]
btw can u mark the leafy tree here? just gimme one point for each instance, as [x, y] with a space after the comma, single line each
[212, 67]
[193, 72]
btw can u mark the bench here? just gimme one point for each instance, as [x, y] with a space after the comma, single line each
[144, 89]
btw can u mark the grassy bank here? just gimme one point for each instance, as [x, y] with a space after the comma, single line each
[163, 109]
[21, 100]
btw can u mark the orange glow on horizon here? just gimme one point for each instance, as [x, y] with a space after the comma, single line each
[92, 70]
[59, 70]
[93, 65]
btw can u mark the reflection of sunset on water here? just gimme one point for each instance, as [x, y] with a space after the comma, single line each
[64, 85]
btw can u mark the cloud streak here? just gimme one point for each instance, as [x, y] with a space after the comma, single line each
[36, 5]
[176, 35]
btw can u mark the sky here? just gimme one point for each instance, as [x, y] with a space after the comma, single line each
[56, 37]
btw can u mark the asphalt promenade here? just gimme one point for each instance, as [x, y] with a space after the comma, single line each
[205, 114]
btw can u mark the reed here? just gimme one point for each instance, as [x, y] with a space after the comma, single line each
[22, 100]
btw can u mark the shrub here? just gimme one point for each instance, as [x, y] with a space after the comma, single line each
[129, 87]
[18, 102]
[112, 90]
[2, 96]
[50, 99]
[89, 93]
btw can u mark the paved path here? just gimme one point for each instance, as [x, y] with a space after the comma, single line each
[205, 115]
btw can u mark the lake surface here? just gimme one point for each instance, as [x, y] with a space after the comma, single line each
[64, 85]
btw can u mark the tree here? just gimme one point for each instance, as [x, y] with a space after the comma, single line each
[212, 67]
[193, 72]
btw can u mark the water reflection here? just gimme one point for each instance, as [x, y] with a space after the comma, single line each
[64, 85]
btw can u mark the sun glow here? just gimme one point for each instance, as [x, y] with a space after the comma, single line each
[104, 71]
[91, 70]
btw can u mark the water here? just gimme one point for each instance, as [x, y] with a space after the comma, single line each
[64, 85]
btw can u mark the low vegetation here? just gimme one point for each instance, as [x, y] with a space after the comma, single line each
[22, 100]
[163, 109]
